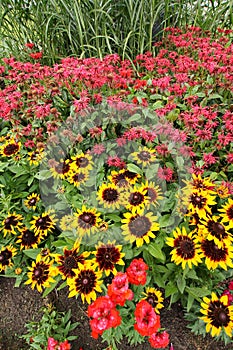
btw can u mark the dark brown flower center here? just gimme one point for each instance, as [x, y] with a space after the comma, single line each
[198, 201]
[185, 247]
[218, 314]
[213, 252]
[70, 262]
[10, 221]
[82, 162]
[144, 156]
[11, 149]
[44, 223]
[139, 226]
[217, 229]
[110, 195]
[86, 281]
[136, 198]
[107, 256]
[230, 213]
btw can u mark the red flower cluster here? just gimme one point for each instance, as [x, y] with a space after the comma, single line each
[104, 315]
[147, 321]
[136, 272]
[55, 345]
[119, 290]
[159, 340]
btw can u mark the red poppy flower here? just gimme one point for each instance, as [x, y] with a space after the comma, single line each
[147, 322]
[159, 340]
[64, 346]
[104, 315]
[52, 343]
[136, 272]
[119, 290]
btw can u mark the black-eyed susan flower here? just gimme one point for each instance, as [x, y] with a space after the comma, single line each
[28, 239]
[35, 157]
[218, 315]
[6, 255]
[222, 191]
[110, 196]
[82, 162]
[185, 248]
[61, 169]
[66, 222]
[41, 274]
[212, 229]
[87, 282]
[77, 178]
[86, 220]
[131, 177]
[198, 183]
[136, 198]
[227, 212]
[44, 223]
[153, 192]
[215, 256]
[144, 156]
[154, 297]
[11, 224]
[32, 201]
[139, 227]
[118, 178]
[200, 203]
[107, 256]
[10, 148]
[70, 260]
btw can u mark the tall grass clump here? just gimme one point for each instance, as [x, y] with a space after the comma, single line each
[90, 28]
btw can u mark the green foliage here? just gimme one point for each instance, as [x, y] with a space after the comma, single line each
[53, 324]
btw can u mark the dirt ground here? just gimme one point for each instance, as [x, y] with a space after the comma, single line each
[20, 305]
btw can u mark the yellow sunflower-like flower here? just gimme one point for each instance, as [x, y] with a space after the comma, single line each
[107, 256]
[185, 248]
[119, 179]
[212, 228]
[10, 148]
[6, 255]
[198, 183]
[35, 157]
[110, 196]
[154, 297]
[86, 220]
[86, 282]
[77, 178]
[11, 224]
[61, 169]
[227, 212]
[136, 198]
[70, 260]
[139, 227]
[28, 239]
[32, 201]
[216, 256]
[144, 156]
[153, 193]
[218, 315]
[82, 162]
[44, 223]
[66, 222]
[222, 191]
[200, 202]
[41, 274]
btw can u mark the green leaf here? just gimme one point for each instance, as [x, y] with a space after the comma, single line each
[181, 283]
[190, 302]
[156, 251]
[32, 253]
[197, 293]
[170, 289]
[134, 168]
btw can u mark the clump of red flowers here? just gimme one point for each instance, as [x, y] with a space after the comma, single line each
[55, 345]
[104, 313]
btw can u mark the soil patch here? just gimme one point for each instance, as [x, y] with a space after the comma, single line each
[21, 305]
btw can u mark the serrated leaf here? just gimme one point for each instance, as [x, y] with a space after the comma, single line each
[32, 253]
[181, 283]
[134, 168]
[197, 292]
[156, 252]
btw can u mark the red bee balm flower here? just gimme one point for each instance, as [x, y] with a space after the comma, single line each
[136, 272]
[119, 290]
[64, 346]
[147, 322]
[36, 55]
[159, 340]
[104, 315]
